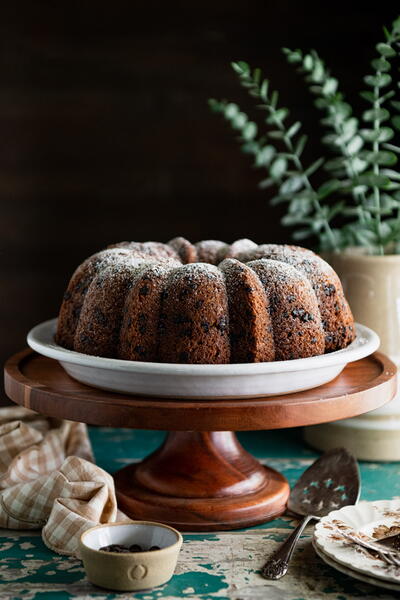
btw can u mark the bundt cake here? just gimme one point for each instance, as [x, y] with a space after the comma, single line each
[208, 302]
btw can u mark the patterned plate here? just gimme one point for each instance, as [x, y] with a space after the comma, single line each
[376, 520]
[356, 574]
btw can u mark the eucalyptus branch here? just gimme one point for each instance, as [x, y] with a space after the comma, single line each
[286, 169]
[344, 139]
[364, 160]
[380, 181]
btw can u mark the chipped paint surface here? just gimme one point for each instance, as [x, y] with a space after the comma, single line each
[211, 566]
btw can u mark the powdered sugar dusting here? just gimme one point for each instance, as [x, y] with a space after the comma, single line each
[194, 271]
[307, 261]
[209, 251]
[240, 247]
[278, 272]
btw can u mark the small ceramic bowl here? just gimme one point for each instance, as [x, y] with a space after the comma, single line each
[134, 570]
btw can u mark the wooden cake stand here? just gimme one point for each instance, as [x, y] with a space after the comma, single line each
[201, 478]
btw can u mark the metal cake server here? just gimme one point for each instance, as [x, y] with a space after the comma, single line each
[331, 482]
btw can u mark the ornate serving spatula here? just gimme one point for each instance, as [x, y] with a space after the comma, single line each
[331, 482]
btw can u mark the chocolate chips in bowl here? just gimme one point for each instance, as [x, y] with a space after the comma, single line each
[121, 548]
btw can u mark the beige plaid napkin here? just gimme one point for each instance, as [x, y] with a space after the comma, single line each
[48, 479]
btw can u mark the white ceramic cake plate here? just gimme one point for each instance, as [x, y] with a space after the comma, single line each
[374, 519]
[250, 380]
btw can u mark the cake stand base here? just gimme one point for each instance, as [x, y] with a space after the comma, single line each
[201, 481]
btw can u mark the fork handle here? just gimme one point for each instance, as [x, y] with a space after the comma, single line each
[277, 564]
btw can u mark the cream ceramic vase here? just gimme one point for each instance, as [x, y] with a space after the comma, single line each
[372, 287]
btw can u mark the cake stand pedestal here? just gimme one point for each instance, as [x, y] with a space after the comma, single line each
[201, 478]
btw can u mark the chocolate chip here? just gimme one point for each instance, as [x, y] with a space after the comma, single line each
[222, 324]
[141, 350]
[154, 548]
[328, 289]
[144, 290]
[118, 548]
[300, 313]
[135, 548]
[99, 316]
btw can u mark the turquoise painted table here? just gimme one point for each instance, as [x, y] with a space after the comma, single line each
[211, 566]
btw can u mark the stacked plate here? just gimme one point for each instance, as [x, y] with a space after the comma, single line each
[376, 520]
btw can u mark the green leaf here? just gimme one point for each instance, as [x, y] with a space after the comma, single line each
[328, 188]
[256, 75]
[385, 50]
[368, 96]
[383, 229]
[381, 64]
[281, 114]
[395, 104]
[391, 174]
[364, 236]
[265, 155]
[231, 110]
[322, 103]
[350, 127]
[381, 135]
[336, 209]
[264, 90]
[241, 67]
[278, 168]
[358, 165]
[293, 56]
[266, 183]
[343, 109]
[291, 185]
[392, 148]
[396, 121]
[250, 131]
[330, 86]
[301, 234]
[239, 120]
[376, 113]
[293, 219]
[373, 180]
[293, 129]
[355, 144]
[335, 163]
[279, 200]
[314, 167]
[379, 80]
[300, 206]
[250, 147]
[308, 62]
[384, 158]
[274, 99]
[276, 135]
[215, 105]
[300, 145]
[396, 25]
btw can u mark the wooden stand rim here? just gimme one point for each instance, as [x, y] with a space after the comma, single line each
[41, 384]
[200, 478]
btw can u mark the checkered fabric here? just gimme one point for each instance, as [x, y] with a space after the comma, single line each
[48, 479]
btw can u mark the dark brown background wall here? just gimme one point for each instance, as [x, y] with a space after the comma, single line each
[105, 133]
